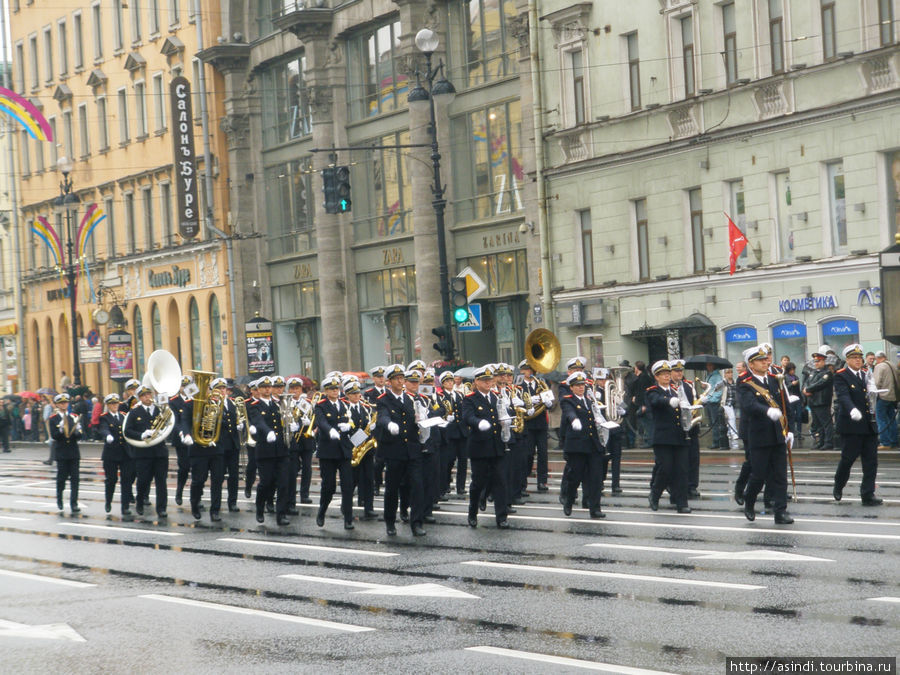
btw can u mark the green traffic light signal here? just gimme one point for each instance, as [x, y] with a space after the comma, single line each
[461, 314]
[342, 188]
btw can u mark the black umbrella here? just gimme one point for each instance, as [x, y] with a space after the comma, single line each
[13, 398]
[244, 379]
[699, 361]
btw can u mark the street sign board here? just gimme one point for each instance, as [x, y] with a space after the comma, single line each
[88, 353]
[473, 323]
[475, 286]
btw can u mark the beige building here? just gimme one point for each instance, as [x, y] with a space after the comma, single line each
[9, 328]
[100, 73]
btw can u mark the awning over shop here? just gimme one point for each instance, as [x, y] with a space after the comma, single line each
[694, 321]
[9, 328]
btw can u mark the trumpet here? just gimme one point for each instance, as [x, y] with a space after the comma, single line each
[307, 431]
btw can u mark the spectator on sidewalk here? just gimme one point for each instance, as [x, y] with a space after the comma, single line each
[886, 405]
[5, 423]
[713, 407]
[47, 413]
[94, 426]
[64, 382]
[792, 382]
[728, 404]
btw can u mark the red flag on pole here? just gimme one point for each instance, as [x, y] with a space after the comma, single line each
[737, 241]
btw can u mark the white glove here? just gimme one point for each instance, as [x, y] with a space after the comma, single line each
[253, 430]
[547, 397]
[270, 437]
[621, 411]
[530, 412]
[789, 439]
[704, 398]
[451, 417]
[78, 428]
[576, 425]
[212, 444]
[773, 414]
[484, 425]
[343, 426]
[240, 426]
[147, 434]
[855, 415]
[393, 429]
[187, 440]
[674, 402]
[334, 434]
[793, 399]
[305, 421]
[294, 427]
[109, 438]
[519, 403]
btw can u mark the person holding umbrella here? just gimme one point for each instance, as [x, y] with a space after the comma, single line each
[5, 421]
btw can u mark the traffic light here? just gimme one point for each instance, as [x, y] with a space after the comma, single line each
[329, 188]
[459, 300]
[342, 188]
[444, 345]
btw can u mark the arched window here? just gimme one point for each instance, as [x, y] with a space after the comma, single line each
[196, 358]
[215, 330]
[157, 327]
[138, 341]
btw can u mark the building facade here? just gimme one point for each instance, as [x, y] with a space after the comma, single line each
[676, 115]
[9, 328]
[100, 73]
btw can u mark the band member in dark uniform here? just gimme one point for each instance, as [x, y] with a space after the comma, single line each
[115, 456]
[431, 442]
[573, 365]
[398, 441]
[334, 450]
[583, 450]
[65, 430]
[693, 436]
[231, 452]
[250, 469]
[129, 398]
[453, 442]
[856, 425]
[151, 463]
[208, 461]
[536, 429]
[364, 472]
[301, 449]
[371, 395]
[767, 436]
[613, 446]
[182, 452]
[271, 453]
[669, 442]
[486, 450]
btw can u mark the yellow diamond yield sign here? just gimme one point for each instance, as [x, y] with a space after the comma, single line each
[474, 284]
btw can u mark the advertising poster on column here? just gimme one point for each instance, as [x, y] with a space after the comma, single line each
[260, 347]
[121, 356]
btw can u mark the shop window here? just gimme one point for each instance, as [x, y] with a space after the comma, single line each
[893, 190]
[504, 273]
[387, 288]
[383, 179]
[838, 333]
[737, 339]
[375, 81]
[789, 339]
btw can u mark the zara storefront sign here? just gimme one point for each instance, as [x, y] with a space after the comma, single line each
[185, 165]
[807, 303]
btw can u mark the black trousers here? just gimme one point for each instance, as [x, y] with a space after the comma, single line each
[516, 478]
[694, 460]
[449, 453]
[154, 469]
[406, 472]
[613, 456]
[4, 437]
[379, 471]
[822, 425]
[183, 456]
[535, 441]
[866, 448]
[431, 480]
[232, 468]
[67, 469]
[250, 470]
[364, 480]
[329, 470]
[586, 469]
[212, 467]
[768, 465]
[273, 477]
[671, 471]
[488, 473]
[112, 469]
[306, 471]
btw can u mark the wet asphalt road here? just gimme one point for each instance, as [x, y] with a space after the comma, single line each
[88, 593]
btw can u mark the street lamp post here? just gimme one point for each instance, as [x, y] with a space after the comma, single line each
[67, 202]
[442, 91]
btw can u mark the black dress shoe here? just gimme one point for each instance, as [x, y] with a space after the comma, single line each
[654, 503]
[348, 525]
[598, 514]
[293, 511]
[404, 516]
[391, 530]
[543, 488]
[195, 511]
[370, 515]
[482, 504]
[75, 509]
[510, 509]
[147, 501]
[162, 515]
[127, 517]
[749, 512]
[783, 518]
[260, 516]
[838, 493]
[694, 493]
[616, 492]
[430, 519]
[378, 493]
[473, 521]
[178, 498]
[872, 501]
[47, 462]
[59, 503]
[214, 516]
[233, 508]
[305, 500]
[503, 524]
[107, 507]
[567, 509]
[320, 519]
[138, 507]
[282, 520]
[270, 507]
[684, 509]
[126, 511]
[517, 501]
[418, 530]
[739, 496]
[247, 491]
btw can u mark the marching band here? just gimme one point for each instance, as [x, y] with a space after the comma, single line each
[414, 432]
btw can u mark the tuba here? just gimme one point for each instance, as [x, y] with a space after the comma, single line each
[542, 350]
[164, 377]
[614, 393]
[206, 423]
[240, 406]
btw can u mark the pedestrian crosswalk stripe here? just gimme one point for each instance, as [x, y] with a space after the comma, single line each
[564, 661]
[49, 580]
[310, 547]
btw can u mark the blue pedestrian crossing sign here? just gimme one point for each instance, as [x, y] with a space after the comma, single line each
[473, 323]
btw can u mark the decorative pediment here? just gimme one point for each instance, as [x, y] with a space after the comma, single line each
[570, 24]
[62, 93]
[171, 46]
[97, 78]
[134, 62]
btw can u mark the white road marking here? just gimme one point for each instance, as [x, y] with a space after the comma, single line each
[50, 631]
[14, 518]
[49, 580]
[427, 590]
[886, 598]
[701, 554]
[660, 549]
[110, 528]
[613, 575]
[311, 547]
[290, 618]
[563, 661]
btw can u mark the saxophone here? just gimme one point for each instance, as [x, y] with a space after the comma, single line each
[359, 452]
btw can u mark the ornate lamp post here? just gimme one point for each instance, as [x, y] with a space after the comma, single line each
[67, 202]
